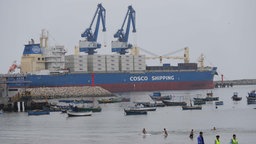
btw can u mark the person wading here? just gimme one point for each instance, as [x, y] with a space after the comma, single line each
[165, 132]
[144, 131]
[191, 135]
[217, 140]
[200, 138]
[234, 140]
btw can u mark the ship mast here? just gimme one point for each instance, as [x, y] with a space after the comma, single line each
[44, 39]
[201, 61]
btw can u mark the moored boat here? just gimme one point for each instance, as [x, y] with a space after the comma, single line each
[135, 111]
[80, 113]
[252, 93]
[191, 107]
[143, 108]
[93, 109]
[235, 97]
[86, 108]
[209, 97]
[38, 112]
[219, 103]
[75, 101]
[151, 104]
[199, 102]
[64, 110]
[251, 98]
[174, 103]
[157, 96]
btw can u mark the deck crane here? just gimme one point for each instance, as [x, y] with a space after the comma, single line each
[185, 57]
[90, 43]
[121, 44]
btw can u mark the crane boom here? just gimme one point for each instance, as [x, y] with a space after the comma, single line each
[90, 43]
[185, 57]
[121, 44]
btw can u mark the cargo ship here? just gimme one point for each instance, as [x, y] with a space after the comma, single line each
[50, 67]
[45, 66]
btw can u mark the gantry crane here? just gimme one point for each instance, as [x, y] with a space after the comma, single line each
[121, 44]
[90, 43]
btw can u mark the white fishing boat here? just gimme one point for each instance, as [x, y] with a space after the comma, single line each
[80, 113]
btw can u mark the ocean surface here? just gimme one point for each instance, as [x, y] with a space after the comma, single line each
[112, 126]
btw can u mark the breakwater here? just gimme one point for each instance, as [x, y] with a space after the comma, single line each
[63, 92]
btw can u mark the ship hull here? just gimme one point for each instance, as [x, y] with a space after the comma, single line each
[124, 81]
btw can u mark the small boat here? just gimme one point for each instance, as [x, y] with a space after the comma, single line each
[219, 103]
[93, 109]
[148, 108]
[1, 112]
[77, 114]
[75, 101]
[133, 111]
[192, 107]
[252, 93]
[151, 104]
[251, 98]
[157, 96]
[38, 112]
[86, 109]
[209, 97]
[143, 108]
[199, 102]
[174, 103]
[64, 110]
[235, 97]
[159, 104]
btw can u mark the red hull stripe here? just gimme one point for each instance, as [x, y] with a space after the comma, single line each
[158, 86]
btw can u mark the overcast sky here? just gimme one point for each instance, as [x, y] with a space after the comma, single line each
[223, 30]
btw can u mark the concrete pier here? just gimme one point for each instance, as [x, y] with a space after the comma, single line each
[231, 83]
[22, 99]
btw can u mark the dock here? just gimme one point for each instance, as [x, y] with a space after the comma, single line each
[231, 83]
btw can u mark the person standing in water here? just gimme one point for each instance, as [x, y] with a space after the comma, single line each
[191, 135]
[234, 140]
[144, 131]
[217, 140]
[200, 138]
[165, 132]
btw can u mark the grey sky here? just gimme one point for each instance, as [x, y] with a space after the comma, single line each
[223, 30]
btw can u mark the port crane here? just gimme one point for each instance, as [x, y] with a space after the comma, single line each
[90, 44]
[121, 44]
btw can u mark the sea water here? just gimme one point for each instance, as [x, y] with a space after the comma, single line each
[112, 126]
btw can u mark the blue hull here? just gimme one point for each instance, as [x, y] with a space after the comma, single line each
[38, 112]
[125, 82]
